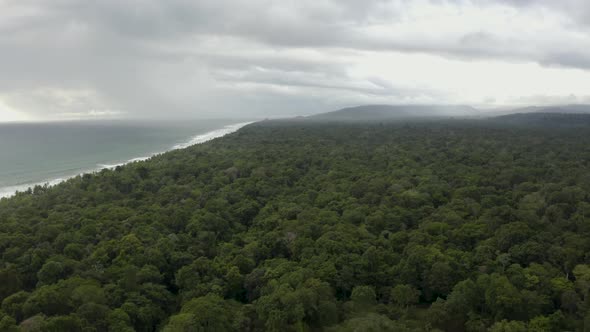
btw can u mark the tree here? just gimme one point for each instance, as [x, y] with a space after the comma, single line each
[508, 326]
[502, 297]
[118, 321]
[404, 295]
[71, 323]
[50, 273]
[370, 322]
[8, 323]
[582, 274]
[14, 305]
[363, 297]
[207, 313]
[10, 283]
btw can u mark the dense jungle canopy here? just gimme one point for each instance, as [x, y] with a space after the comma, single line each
[313, 226]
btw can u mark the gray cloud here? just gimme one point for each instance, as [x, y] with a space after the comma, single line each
[210, 57]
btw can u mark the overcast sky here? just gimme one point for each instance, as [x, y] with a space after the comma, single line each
[64, 59]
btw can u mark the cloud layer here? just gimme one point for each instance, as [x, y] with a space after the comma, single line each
[213, 58]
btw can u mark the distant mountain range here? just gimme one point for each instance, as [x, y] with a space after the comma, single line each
[541, 119]
[387, 112]
[565, 115]
[561, 109]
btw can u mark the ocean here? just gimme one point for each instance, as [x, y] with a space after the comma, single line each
[39, 153]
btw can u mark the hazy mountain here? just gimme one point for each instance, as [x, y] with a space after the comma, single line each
[545, 116]
[577, 109]
[542, 119]
[561, 109]
[393, 112]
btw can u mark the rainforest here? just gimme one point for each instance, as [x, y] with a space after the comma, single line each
[301, 225]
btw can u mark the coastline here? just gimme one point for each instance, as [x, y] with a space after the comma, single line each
[10, 191]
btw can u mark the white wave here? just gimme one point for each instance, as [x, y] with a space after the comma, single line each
[211, 135]
[192, 141]
[111, 166]
[12, 190]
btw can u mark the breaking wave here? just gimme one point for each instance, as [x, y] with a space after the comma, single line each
[202, 138]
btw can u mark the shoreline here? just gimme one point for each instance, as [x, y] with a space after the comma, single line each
[9, 191]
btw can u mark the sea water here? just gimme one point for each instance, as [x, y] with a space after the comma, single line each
[39, 153]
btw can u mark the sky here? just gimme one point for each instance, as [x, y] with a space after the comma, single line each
[161, 59]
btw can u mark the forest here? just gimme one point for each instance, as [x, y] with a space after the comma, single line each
[306, 226]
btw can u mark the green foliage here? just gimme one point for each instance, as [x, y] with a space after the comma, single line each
[10, 283]
[363, 296]
[370, 323]
[71, 323]
[300, 226]
[50, 273]
[119, 321]
[7, 323]
[404, 295]
[14, 305]
[508, 326]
